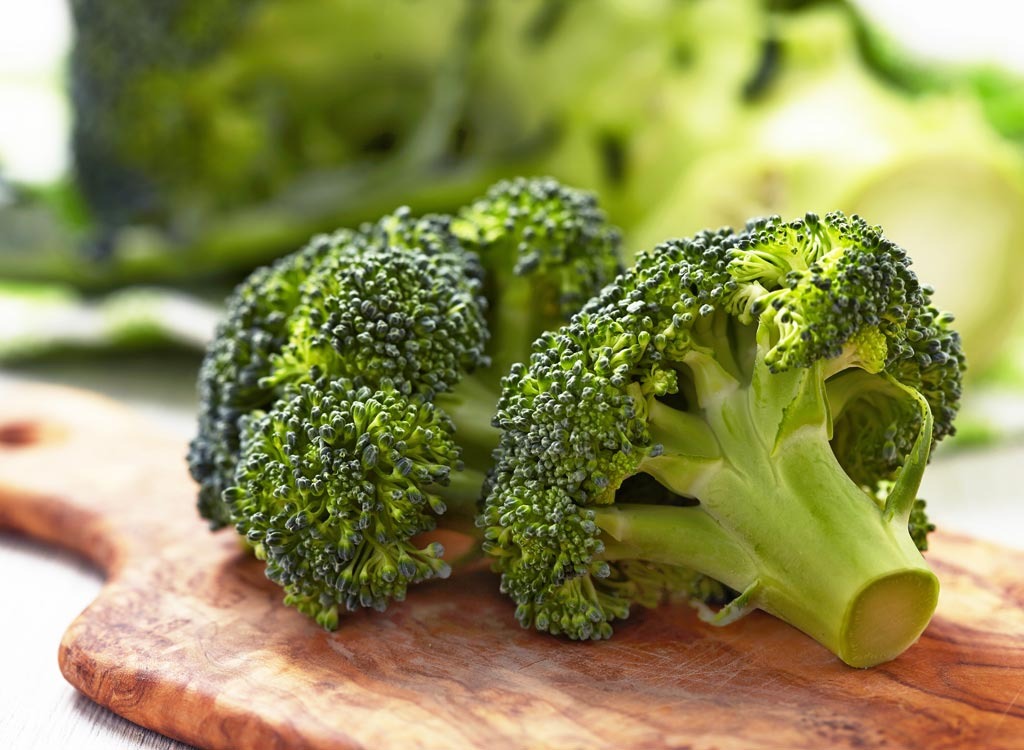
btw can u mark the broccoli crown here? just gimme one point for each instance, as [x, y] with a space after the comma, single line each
[404, 305]
[555, 235]
[718, 365]
[333, 483]
[864, 309]
[398, 302]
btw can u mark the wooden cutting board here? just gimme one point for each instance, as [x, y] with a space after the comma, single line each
[189, 639]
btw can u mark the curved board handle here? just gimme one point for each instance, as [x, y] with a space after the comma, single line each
[88, 475]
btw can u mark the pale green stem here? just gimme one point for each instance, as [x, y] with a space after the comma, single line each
[471, 406]
[780, 520]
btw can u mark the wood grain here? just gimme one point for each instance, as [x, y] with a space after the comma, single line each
[189, 639]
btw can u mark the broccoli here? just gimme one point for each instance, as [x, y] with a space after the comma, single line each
[41, 318]
[824, 128]
[334, 483]
[547, 250]
[999, 91]
[210, 137]
[741, 417]
[346, 401]
[186, 112]
[396, 302]
[231, 376]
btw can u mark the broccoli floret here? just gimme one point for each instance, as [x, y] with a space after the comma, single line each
[347, 399]
[554, 239]
[546, 248]
[405, 306]
[334, 483]
[782, 387]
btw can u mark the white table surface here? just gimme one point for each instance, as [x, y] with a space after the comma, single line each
[43, 590]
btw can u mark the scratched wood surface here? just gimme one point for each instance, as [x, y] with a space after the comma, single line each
[189, 639]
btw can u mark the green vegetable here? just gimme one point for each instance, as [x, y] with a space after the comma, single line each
[38, 318]
[825, 128]
[334, 483]
[213, 137]
[346, 400]
[741, 412]
[209, 137]
[196, 109]
[999, 91]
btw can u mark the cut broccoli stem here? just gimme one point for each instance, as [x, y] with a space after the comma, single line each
[809, 545]
[673, 535]
[828, 561]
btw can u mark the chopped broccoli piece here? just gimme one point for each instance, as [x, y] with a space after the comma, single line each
[782, 387]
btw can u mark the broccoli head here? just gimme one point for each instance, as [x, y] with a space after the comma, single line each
[347, 400]
[404, 305]
[741, 412]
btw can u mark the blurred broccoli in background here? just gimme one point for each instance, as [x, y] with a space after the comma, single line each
[822, 125]
[210, 138]
[39, 317]
[328, 112]
[198, 109]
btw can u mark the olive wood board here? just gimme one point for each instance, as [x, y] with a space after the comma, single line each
[188, 638]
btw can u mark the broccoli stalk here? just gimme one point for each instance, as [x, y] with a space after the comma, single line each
[751, 410]
[836, 563]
